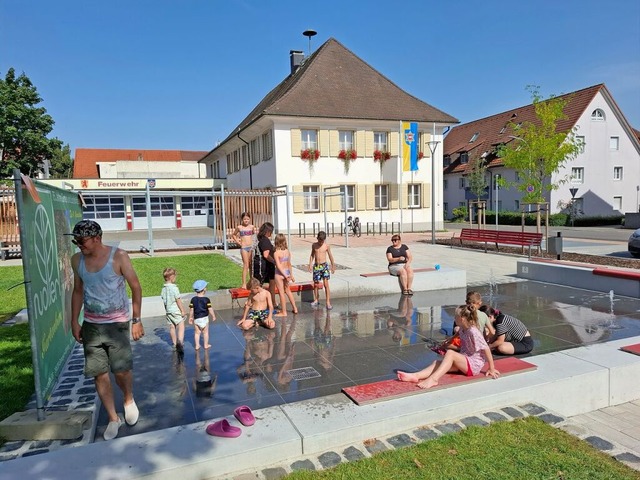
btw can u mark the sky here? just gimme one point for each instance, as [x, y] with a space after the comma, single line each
[181, 74]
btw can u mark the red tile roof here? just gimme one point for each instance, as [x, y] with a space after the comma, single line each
[84, 163]
[335, 83]
[489, 130]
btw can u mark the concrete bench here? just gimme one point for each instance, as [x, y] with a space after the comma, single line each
[381, 274]
[615, 273]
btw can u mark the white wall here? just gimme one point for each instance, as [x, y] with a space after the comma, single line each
[151, 169]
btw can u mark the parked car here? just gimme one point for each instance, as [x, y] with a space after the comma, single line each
[634, 244]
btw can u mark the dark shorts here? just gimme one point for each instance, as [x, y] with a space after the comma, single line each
[523, 346]
[263, 270]
[258, 316]
[106, 347]
[321, 271]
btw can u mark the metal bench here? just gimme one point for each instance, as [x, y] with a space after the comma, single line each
[497, 237]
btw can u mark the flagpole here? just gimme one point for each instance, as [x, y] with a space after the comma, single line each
[401, 156]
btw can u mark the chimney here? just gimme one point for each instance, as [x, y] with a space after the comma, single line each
[296, 57]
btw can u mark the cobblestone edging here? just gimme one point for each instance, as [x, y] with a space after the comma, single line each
[72, 392]
[425, 433]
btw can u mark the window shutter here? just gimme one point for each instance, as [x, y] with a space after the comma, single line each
[360, 197]
[426, 195]
[368, 144]
[334, 143]
[298, 200]
[360, 143]
[369, 195]
[394, 144]
[323, 142]
[296, 142]
[424, 148]
[393, 196]
[404, 191]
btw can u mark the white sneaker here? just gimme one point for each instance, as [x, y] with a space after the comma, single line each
[315, 304]
[131, 413]
[112, 429]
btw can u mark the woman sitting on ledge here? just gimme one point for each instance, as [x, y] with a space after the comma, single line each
[511, 337]
[399, 258]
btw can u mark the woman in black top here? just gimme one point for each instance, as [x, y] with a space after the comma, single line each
[264, 267]
[399, 258]
[512, 336]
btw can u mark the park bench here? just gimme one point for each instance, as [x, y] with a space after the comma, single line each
[500, 237]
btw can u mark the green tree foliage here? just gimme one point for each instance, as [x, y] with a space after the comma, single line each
[24, 126]
[540, 150]
[61, 163]
[477, 178]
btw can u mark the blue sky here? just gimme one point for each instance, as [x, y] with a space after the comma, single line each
[161, 74]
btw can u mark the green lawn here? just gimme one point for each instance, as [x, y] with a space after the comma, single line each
[522, 449]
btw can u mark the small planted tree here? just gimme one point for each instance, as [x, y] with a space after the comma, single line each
[539, 149]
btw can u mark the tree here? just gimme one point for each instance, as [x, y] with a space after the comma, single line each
[23, 127]
[539, 149]
[478, 178]
[61, 163]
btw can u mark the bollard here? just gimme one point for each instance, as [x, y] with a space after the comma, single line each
[302, 230]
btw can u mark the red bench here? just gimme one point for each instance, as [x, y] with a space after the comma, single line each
[296, 287]
[497, 237]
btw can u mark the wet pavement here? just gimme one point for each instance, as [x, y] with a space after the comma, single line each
[318, 352]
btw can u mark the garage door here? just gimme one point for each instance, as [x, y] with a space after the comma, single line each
[195, 211]
[107, 211]
[163, 212]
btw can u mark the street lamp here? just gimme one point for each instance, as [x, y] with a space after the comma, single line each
[433, 145]
[496, 177]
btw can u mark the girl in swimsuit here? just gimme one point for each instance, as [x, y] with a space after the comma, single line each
[243, 236]
[284, 275]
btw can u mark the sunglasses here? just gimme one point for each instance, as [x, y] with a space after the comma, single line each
[395, 239]
[79, 241]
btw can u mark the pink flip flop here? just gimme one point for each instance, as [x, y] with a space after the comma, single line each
[244, 415]
[222, 428]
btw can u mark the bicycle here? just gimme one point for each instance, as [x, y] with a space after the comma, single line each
[354, 225]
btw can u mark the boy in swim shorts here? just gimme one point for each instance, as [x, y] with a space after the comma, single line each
[258, 308]
[318, 264]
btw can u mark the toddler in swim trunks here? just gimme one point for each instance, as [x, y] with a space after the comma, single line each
[258, 308]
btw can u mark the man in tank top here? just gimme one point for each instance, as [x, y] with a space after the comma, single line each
[100, 273]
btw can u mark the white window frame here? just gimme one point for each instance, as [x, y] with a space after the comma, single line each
[618, 173]
[267, 145]
[382, 197]
[461, 183]
[598, 115]
[577, 175]
[311, 202]
[309, 139]
[414, 195]
[614, 143]
[350, 197]
[517, 205]
[345, 140]
[380, 141]
[617, 203]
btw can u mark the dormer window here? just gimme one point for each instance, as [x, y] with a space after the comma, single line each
[474, 137]
[597, 115]
[464, 157]
[502, 130]
[446, 160]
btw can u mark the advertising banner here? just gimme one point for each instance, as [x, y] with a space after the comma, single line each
[45, 214]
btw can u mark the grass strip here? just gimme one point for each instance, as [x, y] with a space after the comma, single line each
[523, 448]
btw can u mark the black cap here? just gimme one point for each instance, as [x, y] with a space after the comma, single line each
[87, 228]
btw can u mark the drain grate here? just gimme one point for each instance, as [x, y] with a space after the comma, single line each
[304, 373]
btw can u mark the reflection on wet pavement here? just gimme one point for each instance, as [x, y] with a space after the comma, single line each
[362, 340]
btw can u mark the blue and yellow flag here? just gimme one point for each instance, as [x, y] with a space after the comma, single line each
[409, 146]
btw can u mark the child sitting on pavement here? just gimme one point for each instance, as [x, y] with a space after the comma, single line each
[474, 353]
[318, 264]
[200, 310]
[173, 306]
[258, 309]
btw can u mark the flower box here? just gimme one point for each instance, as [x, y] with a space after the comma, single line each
[310, 154]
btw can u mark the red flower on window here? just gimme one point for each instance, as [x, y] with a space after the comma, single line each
[348, 154]
[310, 154]
[381, 155]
